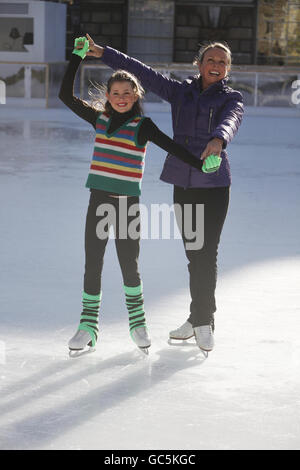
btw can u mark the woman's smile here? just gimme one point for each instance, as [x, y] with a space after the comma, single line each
[214, 66]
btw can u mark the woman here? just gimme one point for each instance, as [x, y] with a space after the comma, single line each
[206, 115]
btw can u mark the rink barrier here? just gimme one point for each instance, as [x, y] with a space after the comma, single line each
[38, 83]
[261, 86]
[32, 83]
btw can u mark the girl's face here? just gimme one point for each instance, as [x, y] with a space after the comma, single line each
[121, 96]
[214, 66]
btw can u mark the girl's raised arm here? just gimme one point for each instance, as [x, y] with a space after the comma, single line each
[66, 93]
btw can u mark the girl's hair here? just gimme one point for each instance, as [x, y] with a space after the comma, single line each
[98, 98]
[205, 47]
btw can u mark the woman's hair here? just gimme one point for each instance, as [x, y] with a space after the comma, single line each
[98, 98]
[205, 47]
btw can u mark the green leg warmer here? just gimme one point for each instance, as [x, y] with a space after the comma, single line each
[135, 306]
[90, 315]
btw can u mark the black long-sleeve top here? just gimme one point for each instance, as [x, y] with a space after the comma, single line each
[148, 131]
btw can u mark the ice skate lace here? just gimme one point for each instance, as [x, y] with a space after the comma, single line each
[206, 330]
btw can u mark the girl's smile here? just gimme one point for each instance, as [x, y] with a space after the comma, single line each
[121, 96]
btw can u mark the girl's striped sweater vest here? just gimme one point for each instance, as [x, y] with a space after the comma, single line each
[118, 159]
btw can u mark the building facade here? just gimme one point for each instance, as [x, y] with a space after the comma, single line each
[37, 38]
[259, 32]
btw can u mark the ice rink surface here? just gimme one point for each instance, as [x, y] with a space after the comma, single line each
[245, 395]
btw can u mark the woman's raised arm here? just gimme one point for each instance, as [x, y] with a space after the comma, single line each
[150, 79]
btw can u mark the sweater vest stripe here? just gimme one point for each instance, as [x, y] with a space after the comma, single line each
[118, 161]
[102, 170]
[118, 144]
[110, 163]
[116, 169]
[123, 132]
[123, 154]
[101, 156]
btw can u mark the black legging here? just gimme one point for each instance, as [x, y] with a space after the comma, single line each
[127, 248]
[203, 262]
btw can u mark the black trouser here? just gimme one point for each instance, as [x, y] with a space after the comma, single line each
[127, 247]
[203, 262]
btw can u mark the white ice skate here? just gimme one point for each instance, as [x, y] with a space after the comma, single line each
[141, 338]
[80, 343]
[204, 338]
[182, 333]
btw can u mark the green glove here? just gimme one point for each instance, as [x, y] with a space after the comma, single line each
[211, 164]
[81, 52]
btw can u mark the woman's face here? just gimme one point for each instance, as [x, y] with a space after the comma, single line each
[121, 96]
[214, 66]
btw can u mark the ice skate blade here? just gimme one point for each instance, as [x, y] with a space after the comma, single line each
[204, 352]
[80, 352]
[144, 350]
[181, 339]
[181, 342]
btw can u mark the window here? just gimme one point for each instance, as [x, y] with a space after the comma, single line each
[106, 23]
[196, 24]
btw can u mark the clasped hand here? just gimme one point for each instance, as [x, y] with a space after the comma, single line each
[85, 46]
[214, 147]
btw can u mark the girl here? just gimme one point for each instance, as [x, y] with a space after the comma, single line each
[116, 173]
